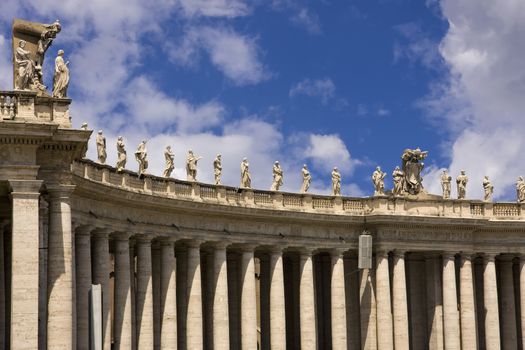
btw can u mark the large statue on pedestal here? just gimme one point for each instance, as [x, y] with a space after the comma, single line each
[141, 155]
[412, 168]
[61, 77]
[30, 43]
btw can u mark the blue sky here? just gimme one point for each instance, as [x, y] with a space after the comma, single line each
[347, 83]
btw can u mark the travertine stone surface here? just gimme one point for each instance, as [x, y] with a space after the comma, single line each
[508, 306]
[144, 295]
[248, 300]
[194, 336]
[434, 302]
[469, 339]
[100, 249]
[490, 299]
[384, 307]
[450, 303]
[308, 326]
[277, 307]
[522, 297]
[338, 302]
[367, 310]
[83, 283]
[399, 300]
[221, 323]
[168, 295]
[24, 282]
[60, 319]
[122, 321]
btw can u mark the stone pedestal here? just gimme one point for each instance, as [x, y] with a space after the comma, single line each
[24, 265]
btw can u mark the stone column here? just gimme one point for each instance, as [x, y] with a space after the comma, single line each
[248, 300]
[338, 302]
[384, 306]
[307, 319]
[490, 299]
[450, 303]
[508, 306]
[144, 294]
[368, 309]
[221, 322]
[3, 306]
[24, 263]
[434, 302]
[522, 298]
[469, 338]
[83, 283]
[100, 274]
[122, 328]
[194, 336]
[277, 307]
[399, 296]
[168, 296]
[60, 309]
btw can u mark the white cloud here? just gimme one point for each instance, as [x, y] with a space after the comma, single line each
[307, 19]
[327, 151]
[481, 99]
[416, 46]
[320, 88]
[214, 8]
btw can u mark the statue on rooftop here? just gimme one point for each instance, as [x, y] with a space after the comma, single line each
[307, 179]
[101, 147]
[378, 178]
[520, 189]
[277, 177]
[488, 188]
[191, 166]
[141, 155]
[169, 156]
[217, 169]
[121, 152]
[336, 182]
[61, 77]
[25, 67]
[412, 167]
[446, 179]
[246, 179]
[398, 178]
[461, 182]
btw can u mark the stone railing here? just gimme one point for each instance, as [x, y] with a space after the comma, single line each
[8, 105]
[232, 196]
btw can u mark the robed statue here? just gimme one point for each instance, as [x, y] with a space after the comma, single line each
[61, 77]
[412, 167]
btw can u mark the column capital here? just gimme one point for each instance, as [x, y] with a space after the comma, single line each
[99, 232]
[120, 236]
[276, 249]
[143, 238]
[467, 255]
[59, 190]
[489, 256]
[448, 255]
[25, 187]
[398, 253]
[337, 252]
[506, 257]
[220, 245]
[194, 243]
[247, 248]
[382, 253]
[306, 252]
[84, 229]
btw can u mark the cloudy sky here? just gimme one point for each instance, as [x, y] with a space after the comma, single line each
[347, 83]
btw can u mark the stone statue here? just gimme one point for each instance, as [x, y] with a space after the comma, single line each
[398, 178]
[121, 152]
[446, 179]
[520, 189]
[336, 182]
[101, 147]
[141, 155]
[488, 188]
[191, 166]
[246, 179]
[84, 126]
[277, 177]
[217, 169]
[461, 182]
[25, 67]
[378, 178]
[61, 77]
[169, 156]
[307, 179]
[412, 168]
[46, 39]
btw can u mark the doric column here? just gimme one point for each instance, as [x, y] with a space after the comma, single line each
[490, 298]
[144, 294]
[338, 302]
[307, 320]
[194, 336]
[3, 306]
[248, 300]
[60, 309]
[450, 303]
[221, 323]
[434, 302]
[399, 296]
[384, 307]
[168, 296]
[83, 283]
[522, 298]
[277, 307]
[100, 273]
[508, 306]
[368, 309]
[469, 338]
[24, 263]
[122, 328]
